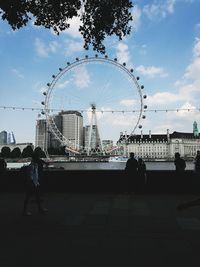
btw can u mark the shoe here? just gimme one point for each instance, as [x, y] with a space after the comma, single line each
[26, 213]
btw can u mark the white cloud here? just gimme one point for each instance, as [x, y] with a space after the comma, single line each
[161, 98]
[122, 53]
[43, 49]
[160, 10]
[17, 73]
[62, 85]
[151, 71]
[127, 102]
[73, 47]
[53, 46]
[184, 113]
[191, 77]
[136, 14]
[73, 30]
[81, 77]
[196, 49]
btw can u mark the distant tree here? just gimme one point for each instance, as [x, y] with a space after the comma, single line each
[27, 152]
[15, 153]
[100, 18]
[5, 152]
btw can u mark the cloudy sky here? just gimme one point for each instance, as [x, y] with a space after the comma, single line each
[163, 49]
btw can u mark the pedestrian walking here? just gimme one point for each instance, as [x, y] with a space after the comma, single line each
[179, 163]
[142, 175]
[131, 170]
[32, 184]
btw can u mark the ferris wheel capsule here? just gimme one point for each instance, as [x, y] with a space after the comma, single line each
[140, 126]
[144, 96]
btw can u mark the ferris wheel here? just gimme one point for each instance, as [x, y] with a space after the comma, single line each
[104, 93]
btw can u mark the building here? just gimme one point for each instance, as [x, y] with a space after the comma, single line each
[91, 138]
[68, 123]
[161, 146]
[11, 138]
[41, 135]
[107, 144]
[3, 138]
[72, 127]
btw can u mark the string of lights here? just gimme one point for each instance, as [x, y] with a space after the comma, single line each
[101, 111]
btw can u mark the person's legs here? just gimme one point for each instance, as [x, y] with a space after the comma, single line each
[38, 200]
[28, 194]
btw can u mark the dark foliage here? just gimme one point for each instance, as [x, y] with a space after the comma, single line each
[15, 153]
[5, 152]
[27, 152]
[100, 18]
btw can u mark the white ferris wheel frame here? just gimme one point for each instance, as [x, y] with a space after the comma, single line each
[69, 66]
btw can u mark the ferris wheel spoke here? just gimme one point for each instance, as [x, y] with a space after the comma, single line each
[83, 96]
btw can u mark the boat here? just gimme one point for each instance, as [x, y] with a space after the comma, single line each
[118, 159]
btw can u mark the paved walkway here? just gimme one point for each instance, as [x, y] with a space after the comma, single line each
[99, 230]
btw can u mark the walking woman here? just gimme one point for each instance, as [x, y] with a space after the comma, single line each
[32, 185]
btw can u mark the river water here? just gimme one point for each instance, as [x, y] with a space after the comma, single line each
[107, 165]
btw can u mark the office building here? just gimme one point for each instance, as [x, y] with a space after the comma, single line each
[68, 123]
[91, 137]
[72, 128]
[3, 138]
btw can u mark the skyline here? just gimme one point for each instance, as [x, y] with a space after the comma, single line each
[163, 48]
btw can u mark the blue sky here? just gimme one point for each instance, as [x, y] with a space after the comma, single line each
[163, 48]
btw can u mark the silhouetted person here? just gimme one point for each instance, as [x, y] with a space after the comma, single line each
[3, 166]
[197, 163]
[142, 176]
[179, 163]
[131, 173]
[195, 201]
[33, 184]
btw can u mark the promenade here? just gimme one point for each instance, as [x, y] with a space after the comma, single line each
[101, 229]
